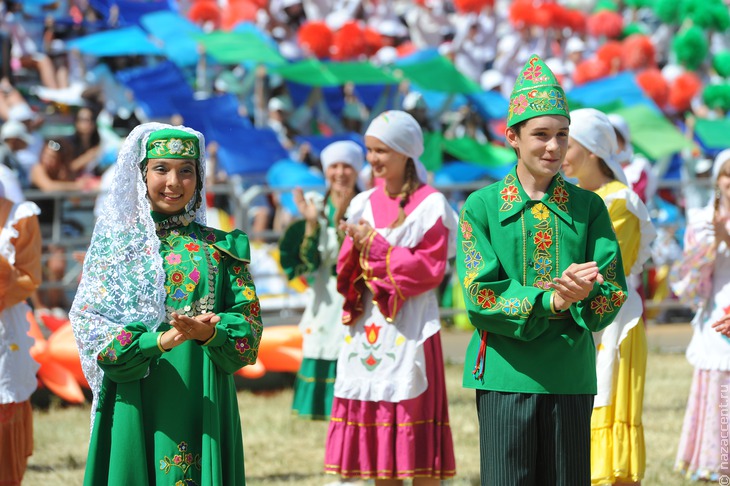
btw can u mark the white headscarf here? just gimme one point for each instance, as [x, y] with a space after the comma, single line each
[401, 132]
[345, 151]
[123, 279]
[720, 160]
[593, 130]
[619, 124]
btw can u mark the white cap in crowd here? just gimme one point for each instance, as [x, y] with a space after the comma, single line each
[15, 129]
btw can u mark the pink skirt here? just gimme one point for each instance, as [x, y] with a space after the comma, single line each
[703, 445]
[384, 440]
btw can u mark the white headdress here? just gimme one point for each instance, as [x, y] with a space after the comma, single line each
[592, 129]
[345, 151]
[123, 279]
[401, 132]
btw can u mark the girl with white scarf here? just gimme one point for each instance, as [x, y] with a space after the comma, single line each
[617, 435]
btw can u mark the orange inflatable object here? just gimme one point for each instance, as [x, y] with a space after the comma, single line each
[51, 374]
[252, 372]
[62, 350]
[280, 336]
[283, 359]
[61, 382]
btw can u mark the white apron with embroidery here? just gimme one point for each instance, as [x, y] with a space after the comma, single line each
[17, 367]
[381, 360]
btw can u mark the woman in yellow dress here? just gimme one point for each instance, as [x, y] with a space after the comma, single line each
[617, 434]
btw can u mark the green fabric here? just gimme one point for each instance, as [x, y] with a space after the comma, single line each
[536, 93]
[610, 5]
[508, 248]
[433, 154]
[237, 47]
[299, 255]
[314, 389]
[651, 133]
[171, 143]
[310, 72]
[359, 73]
[713, 133]
[486, 155]
[173, 418]
[437, 74]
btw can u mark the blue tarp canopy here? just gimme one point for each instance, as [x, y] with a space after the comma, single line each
[620, 90]
[127, 41]
[246, 151]
[176, 33]
[131, 11]
[155, 88]
[287, 174]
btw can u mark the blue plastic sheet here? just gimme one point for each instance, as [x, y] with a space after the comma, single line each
[127, 41]
[155, 87]
[287, 174]
[246, 151]
[176, 33]
[621, 88]
[131, 11]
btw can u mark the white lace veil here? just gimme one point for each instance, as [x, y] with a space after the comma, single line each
[123, 278]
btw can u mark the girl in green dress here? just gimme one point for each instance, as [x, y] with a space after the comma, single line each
[166, 311]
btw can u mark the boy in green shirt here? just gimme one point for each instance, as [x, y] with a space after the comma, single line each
[541, 270]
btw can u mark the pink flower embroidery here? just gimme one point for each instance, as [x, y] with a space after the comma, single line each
[533, 73]
[242, 345]
[466, 230]
[124, 337]
[519, 105]
[173, 258]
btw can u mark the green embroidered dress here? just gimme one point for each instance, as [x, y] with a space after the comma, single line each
[509, 248]
[172, 418]
[315, 256]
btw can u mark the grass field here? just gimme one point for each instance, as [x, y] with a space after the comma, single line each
[282, 450]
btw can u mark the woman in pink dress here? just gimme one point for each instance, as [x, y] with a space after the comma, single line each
[390, 417]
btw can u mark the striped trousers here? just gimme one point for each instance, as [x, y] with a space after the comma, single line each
[530, 439]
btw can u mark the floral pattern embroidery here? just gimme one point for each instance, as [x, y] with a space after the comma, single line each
[124, 337]
[183, 460]
[559, 196]
[519, 105]
[533, 73]
[466, 230]
[543, 240]
[600, 305]
[486, 298]
[540, 211]
[510, 193]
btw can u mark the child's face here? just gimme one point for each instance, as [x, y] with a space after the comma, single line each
[341, 177]
[171, 183]
[541, 144]
[386, 163]
[576, 162]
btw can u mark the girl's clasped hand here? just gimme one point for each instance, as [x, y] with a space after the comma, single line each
[184, 328]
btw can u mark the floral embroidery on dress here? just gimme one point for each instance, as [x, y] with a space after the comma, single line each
[484, 297]
[369, 360]
[510, 193]
[124, 337]
[184, 460]
[560, 196]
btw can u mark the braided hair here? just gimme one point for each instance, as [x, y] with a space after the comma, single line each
[410, 184]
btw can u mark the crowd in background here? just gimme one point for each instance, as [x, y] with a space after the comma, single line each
[65, 113]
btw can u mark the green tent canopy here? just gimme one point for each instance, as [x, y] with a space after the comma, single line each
[310, 72]
[237, 47]
[713, 133]
[437, 74]
[485, 155]
[433, 155]
[652, 134]
[359, 73]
